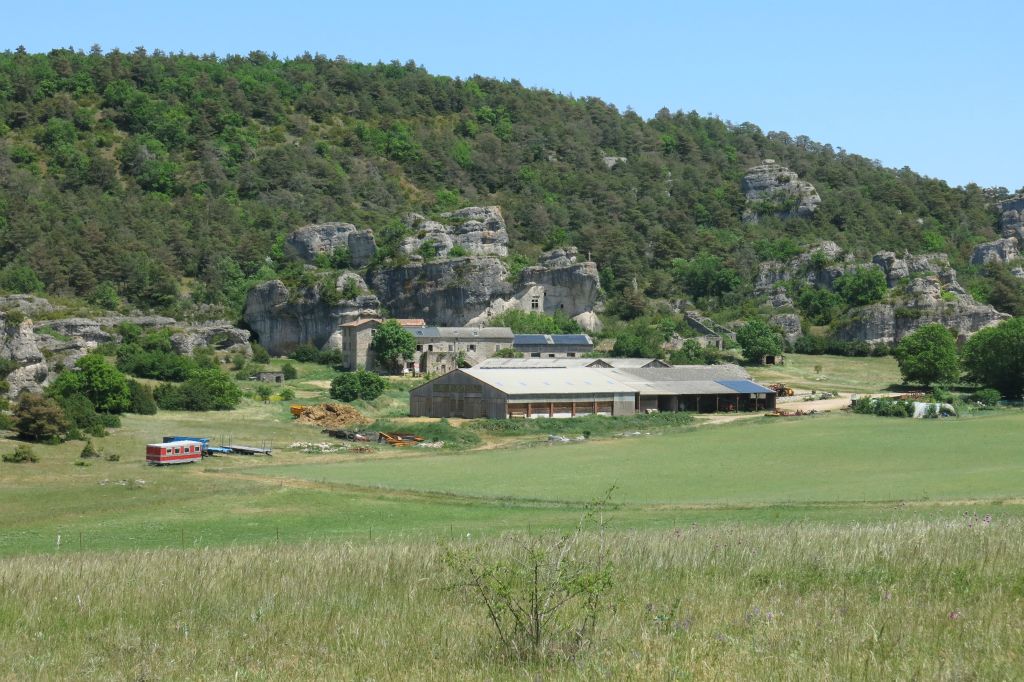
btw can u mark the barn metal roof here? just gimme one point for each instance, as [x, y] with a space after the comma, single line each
[690, 373]
[744, 386]
[553, 340]
[634, 363]
[503, 333]
[535, 363]
[556, 380]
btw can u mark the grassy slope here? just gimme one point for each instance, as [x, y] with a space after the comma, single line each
[831, 458]
[931, 601]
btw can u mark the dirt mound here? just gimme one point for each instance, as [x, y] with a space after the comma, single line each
[332, 415]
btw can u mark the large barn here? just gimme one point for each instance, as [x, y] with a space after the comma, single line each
[503, 392]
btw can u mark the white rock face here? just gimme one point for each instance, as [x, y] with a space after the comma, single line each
[779, 190]
[477, 230]
[309, 241]
[998, 251]
[18, 343]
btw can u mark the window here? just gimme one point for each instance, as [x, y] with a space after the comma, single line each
[472, 346]
[451, 346]
[535, 303]
[534, 355]
[497, 346]
[419, 347]
[430, 347]
[571, 355]
[551, 355]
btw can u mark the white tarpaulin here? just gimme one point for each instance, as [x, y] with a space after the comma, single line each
[922, 410]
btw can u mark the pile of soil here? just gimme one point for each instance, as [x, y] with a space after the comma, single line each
[333, 416]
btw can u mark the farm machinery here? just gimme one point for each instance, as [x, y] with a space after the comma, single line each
[781, 390]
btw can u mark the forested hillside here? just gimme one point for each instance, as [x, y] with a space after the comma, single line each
[141, 176]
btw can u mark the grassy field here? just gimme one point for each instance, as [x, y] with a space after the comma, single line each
[849, 375]
[834, 547]
[826, 459]
[928, 601]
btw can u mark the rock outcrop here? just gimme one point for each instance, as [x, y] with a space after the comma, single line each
[446, 293]
[997, 251]
[771, 188]
[1011, 217]
[283, 319]
[306, 243]
[789, 323]
[897, 267]
[18, 343]
[476, 230]
[924, 303]
[569, 285]
[220, 336]
[820, 265]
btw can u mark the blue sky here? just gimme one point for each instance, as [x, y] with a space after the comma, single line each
[936, 86]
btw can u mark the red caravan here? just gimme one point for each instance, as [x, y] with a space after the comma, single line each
[175, 452]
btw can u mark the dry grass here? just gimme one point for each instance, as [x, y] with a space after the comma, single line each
[915, 600]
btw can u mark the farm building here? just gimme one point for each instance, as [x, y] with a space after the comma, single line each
[438, 348]
[270, 377]
[553, 345]
[356, 337]
[501, 392]
[505, 393]
[525, 363]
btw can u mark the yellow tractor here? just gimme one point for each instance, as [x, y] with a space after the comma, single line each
[781, 390]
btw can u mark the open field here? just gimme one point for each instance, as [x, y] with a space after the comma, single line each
[822, 459]
[810, 601]
[832, 467]
[849, 375]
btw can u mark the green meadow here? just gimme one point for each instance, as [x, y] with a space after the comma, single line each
[831, 458]
[838, 546]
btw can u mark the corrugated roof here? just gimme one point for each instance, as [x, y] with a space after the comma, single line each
[744, 386]
[548, 381]
[636, 363]
[553, 340]
[503, 333]
[690, 373]
[524, 363]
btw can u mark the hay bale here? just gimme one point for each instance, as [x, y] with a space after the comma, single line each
[332, 415]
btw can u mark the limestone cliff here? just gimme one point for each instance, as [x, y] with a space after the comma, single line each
[447, 293]
[284, 319]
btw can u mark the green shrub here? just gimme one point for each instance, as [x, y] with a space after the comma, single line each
[22, 454]
[260, 354]
[89, 452]
[358, 385]
[142, 398]
[287, 394]
[205, 390]
[986, 396]
[113, 457]
[289, 371]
